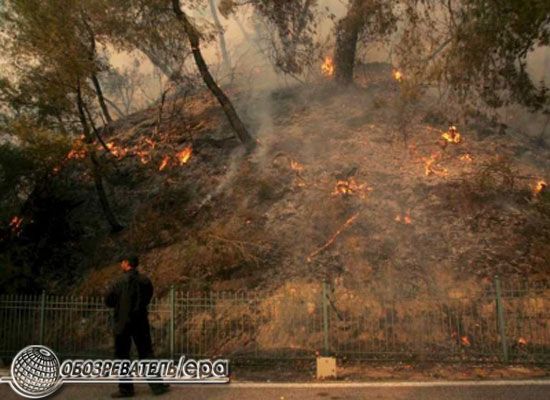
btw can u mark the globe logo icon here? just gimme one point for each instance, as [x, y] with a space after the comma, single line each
[35, 372]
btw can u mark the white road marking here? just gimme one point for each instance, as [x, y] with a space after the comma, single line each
[343, 385]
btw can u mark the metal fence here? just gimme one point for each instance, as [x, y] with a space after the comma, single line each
[495, 324]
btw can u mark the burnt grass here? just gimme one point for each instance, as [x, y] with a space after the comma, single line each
[227, 220]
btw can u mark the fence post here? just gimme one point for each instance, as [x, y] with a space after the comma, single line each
[42, 317]
[325, 320]
[500, 319]
[172, 321]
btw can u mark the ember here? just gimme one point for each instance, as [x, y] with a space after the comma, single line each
[143, 156]
[466, 158]
[15, 224]
[327, 69]
[431, 166]
[296, 166]
[78, 151]
[406, 219]
[184, 155]
[522, 341]
[329, 242]
[465, 341]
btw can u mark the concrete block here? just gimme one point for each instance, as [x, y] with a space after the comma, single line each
[326, 368]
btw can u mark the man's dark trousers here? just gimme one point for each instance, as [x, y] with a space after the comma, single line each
[140, 333]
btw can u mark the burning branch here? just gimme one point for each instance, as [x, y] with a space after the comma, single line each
[329, 242]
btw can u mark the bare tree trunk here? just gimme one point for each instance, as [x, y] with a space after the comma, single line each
[347, 34]
[227, 106]
[98, 180]
[95, 130]
[221, 36]
[101, 99]
[115, 107]
[95, 80]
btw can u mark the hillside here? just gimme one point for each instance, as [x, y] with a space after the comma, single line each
[358, 187]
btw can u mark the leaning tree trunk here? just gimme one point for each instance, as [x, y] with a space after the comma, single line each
[101, 99]
[347, 34]
[98, 180]
[221, 36]
[227, 106]
[93, 75]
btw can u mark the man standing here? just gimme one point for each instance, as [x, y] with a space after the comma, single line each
[129, 296]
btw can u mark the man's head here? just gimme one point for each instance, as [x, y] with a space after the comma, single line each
[129, 263]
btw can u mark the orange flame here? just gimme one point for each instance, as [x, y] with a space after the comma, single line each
[78, 151]
[118, 152]
[466, 158]
[184, 155]
[397, 75]
[164, 163]
[522, 341]
[327, 69]
[296, 166]
[465, 341]
[348, 187]
[540, 187]
[452, 135]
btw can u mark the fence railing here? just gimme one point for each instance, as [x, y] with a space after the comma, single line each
[496, 324]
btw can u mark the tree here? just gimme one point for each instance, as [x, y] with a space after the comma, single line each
[147, 26]
[50, 48]
[96, 171]
[365, 20]
[194, 40]
[290, 31]
[221, 37]
[483, 50]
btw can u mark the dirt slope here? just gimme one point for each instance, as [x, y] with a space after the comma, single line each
[357, 187]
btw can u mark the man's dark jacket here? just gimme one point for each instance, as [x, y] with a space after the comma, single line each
[129, 296]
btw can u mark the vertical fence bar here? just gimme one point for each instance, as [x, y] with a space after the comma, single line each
[172, 321]
[42, 317]
[325, 320]
[500, 319]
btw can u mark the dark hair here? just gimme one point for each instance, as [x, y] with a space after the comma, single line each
[133, 260]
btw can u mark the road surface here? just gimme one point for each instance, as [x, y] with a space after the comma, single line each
[469, 390]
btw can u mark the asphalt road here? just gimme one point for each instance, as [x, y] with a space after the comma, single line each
[486, 390]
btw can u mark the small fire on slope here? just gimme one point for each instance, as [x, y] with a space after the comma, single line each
[348, 187]
[451, 136]
[540, 188]
[397, 75]
[184, 155]
[327, 68]
[78, 151]
[118, 152]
